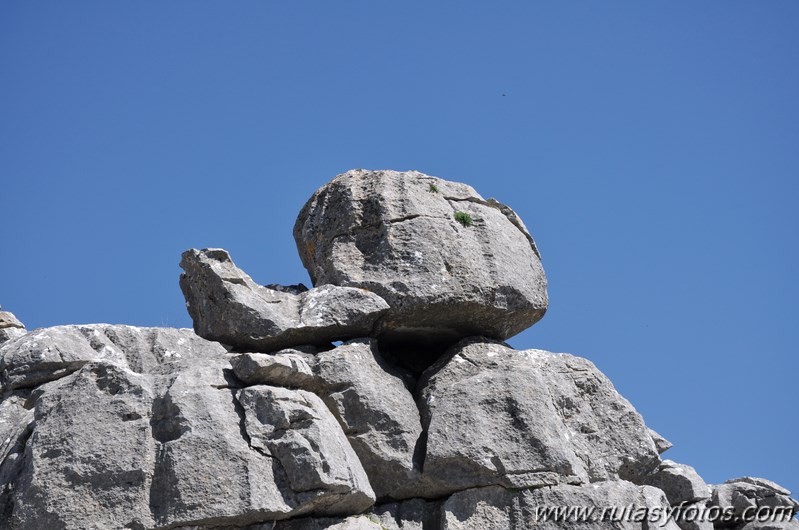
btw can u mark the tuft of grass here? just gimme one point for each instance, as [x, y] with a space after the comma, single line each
[433, 188]
[464, 218]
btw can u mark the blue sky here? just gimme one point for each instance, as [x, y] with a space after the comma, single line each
[652, 148]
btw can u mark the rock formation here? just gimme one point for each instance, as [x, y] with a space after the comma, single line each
[421, 419]
[449, 263]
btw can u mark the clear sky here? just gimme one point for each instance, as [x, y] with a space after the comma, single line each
[652, 148]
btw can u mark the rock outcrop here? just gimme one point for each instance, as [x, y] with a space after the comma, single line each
[449, 263]
[421, 420]
[10, 327]
[228, 306]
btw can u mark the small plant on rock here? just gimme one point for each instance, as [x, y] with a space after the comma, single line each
[464, 218]
[433, 188]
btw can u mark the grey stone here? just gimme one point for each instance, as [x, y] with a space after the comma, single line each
[495, 415]
[411, 514]
[395, 234]
[661, 444]
[142, 428]
[790, 524]
[289, 368]
[355, 522]
[8, 320]
[226, 305]
[377, 411]
[368, 397]
[747, 496]
[297, 429]
[50, 353]
[90, 457]
[680, 483]
[693, 516]
[10, 327]
[497, 507]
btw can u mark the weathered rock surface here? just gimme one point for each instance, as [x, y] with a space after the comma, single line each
[297, 429]
[530, 418]
[395, 233]
[748, 497]
[228, 306]
[147, 428]
[10, 327]
[680, 483]
[496, 507]
[367, 396]
[661, 444]
[111, 427]
[51, 353]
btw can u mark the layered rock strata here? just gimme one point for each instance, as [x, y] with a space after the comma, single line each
[260, 421]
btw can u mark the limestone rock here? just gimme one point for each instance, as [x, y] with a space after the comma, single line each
[496, 507]
[367, 396]
[411, 514]
[297, 429]
[680, 483]
[50, 353]
[748, 496]
[396, 234]
[530, 418]
[289, 368]
[791, 524]
[378, 413]
[228, 306]
[694, 516]
[143, 428]
[10, 327]
[356, 522]
[661, 444]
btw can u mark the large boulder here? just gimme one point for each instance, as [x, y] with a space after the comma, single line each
[495, 415]
[228, 306]
[449, 263]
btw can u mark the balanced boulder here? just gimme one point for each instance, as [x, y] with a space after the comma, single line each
[449, 263]
[228, 306]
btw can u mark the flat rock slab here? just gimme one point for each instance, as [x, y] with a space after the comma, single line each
[226, 305]
[449, 263]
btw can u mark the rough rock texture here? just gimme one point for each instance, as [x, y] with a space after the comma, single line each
[661, 444]
[368, 397]
[496, 507]
[119, 427]
[750, 496]
[228, 306]
[680, 483]
[147, 428]
[395, 233]
[531, 418]
[10, 327]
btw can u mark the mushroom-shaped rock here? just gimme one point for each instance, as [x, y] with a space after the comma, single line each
[228, 306]
[449, 263]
